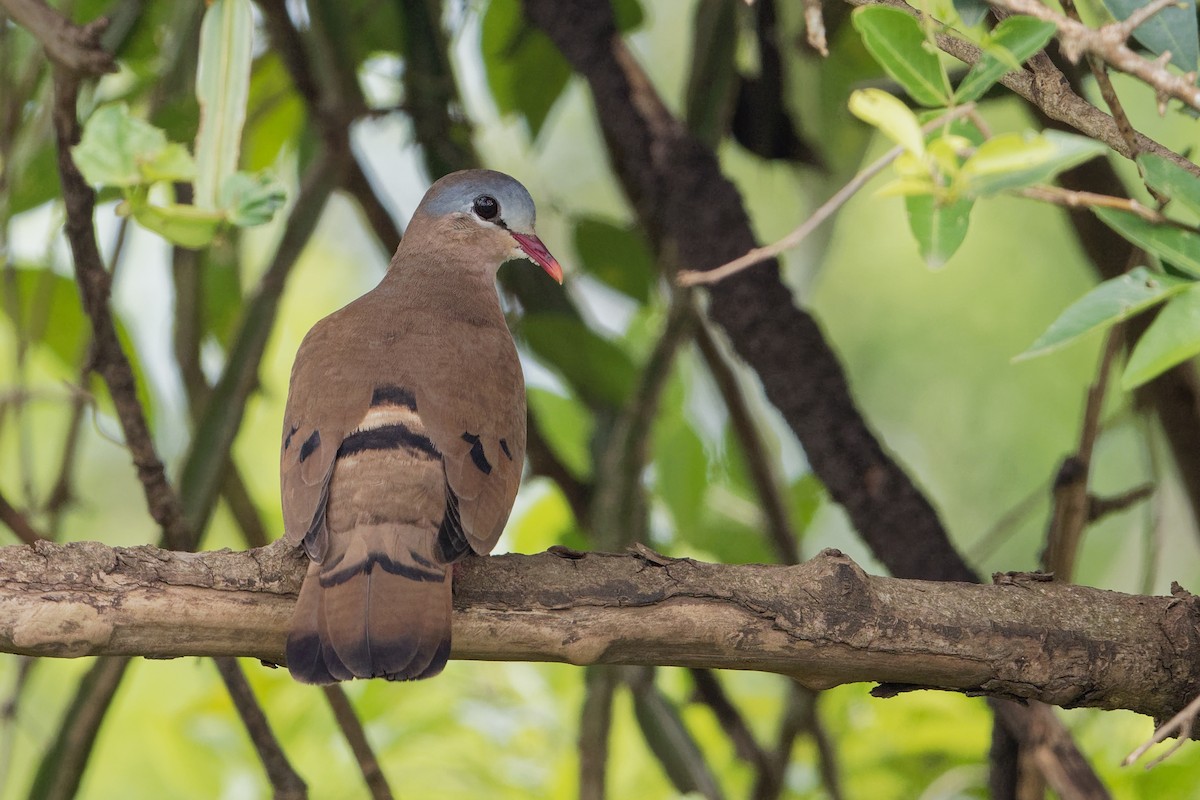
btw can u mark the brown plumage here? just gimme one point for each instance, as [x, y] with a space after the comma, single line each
[404, 437]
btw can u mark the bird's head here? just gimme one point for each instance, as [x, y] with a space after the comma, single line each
[492, 209]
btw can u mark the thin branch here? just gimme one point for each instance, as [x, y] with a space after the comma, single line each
[764, 470]
[1068, 198]
[1101, 507]
[595, 722]
[18, 523]
[356, 737]
[1104, 82]
[1180, 726]
[814, 27]
[62, 766]
[760, 254]
[285, 781]
[1047, 89]
[668, 737]
[712, 694]
[618, 511]
[94, 286]
[71, 47]
[1108, 43]
[1071, 506]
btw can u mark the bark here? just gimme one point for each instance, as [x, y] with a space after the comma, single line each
[824, 622]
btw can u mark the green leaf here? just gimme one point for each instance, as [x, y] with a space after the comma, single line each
[186, 226]
[1017, 37]
[525, 71]
[1172, 180]
[1171, 243]
[938, 227]
[1014, 161]
[1172, 338]
[600, 372]
[896, 120]
[618, 256]
[251, 199]
[47, 306]
[222, 88]
[567, 426]
[1173, 28]
[897, 42]
[1111, 302]
[118, 150]
[33, 180]
[629, 14]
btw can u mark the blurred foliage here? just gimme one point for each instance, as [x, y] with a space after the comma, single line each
[929, 357]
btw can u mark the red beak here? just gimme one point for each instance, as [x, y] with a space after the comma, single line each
[536, 251]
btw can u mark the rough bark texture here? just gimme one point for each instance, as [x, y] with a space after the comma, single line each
[824, 622]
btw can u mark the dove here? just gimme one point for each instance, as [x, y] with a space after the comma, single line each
[404, 437]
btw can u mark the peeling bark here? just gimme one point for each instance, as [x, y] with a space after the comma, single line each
[824, 622]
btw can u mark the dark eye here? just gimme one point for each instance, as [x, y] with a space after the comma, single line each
[486, 207]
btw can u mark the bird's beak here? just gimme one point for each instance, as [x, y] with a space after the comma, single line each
[533, 248]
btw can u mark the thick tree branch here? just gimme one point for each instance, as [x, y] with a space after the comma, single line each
[824, 622]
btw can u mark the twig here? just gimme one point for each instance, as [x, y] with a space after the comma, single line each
[595, 721]
[1104, 82]
[286, 783]
[618, 511]
[1071, 510]
[17, 522]
[1076, 199]
[61, 768]
[668, 737]
[814, 27]
[73, 48]
[1046, 88]
[356, 737]
[763, 469]
[1180, 726]
[711, 693]
[1101, 507]
[1108, 43]
[761, 254]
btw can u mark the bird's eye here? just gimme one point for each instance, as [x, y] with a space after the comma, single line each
[486, 207]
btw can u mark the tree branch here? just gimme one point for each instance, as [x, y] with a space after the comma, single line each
[73, 48]
[824, 622]
[1047, 89]
[94, 285]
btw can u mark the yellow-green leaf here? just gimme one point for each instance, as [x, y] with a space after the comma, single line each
[1016, 160]
[896, 120]
[1171, 339]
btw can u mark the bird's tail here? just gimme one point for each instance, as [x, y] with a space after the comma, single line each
[376, 608]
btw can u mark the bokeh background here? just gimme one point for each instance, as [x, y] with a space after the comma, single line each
[928, 353]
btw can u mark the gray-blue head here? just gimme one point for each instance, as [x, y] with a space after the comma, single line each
[491, 200]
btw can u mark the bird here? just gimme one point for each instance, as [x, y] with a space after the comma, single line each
[404, 437]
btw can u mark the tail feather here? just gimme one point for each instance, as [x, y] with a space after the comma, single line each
[376, 609]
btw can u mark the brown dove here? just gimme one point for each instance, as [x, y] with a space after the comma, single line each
[404, 436]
